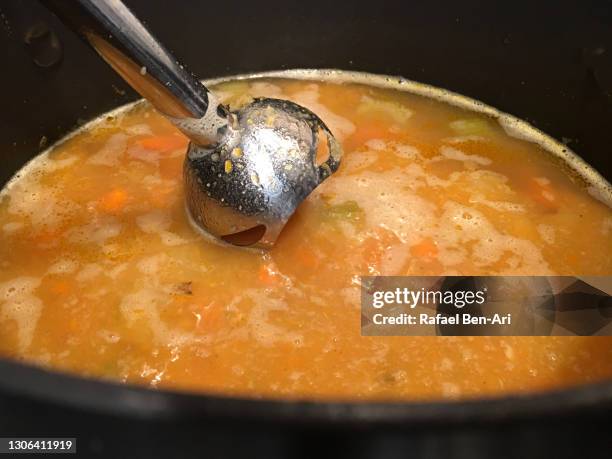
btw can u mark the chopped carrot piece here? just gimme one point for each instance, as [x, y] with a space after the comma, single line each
[267, 275]
[368, 131]
[113, 201]
[307, 258]
[163, 143]
[60, 287]
[541, 191]
[45, 237]
[424, 249]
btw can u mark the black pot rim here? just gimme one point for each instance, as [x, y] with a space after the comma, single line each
[107, 397]
[60, 389]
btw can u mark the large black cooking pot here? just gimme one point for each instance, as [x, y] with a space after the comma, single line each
[548, 62]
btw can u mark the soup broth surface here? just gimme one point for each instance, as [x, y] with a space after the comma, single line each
[102, 275]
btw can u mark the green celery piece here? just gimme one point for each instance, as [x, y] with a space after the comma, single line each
[348, 210]
[472, 126]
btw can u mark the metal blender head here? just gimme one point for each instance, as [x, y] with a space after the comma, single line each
[245, 188]
[245, 172]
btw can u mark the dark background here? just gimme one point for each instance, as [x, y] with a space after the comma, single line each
[548, 62]
[108, 437]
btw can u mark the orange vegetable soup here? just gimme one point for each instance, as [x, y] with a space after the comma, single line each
[102, 275]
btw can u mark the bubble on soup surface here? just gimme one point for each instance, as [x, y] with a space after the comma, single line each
[464, 139]
[43, 205]
[400, 211]
[396, 111]
[111, 152]
[140, 310]
[97, 232]
[411, 217]
[376, 144]
[139, 129]
[116, 271]
[458, 155]
[154, 222]
[401, 150]
[259, 325]
[89, 271]
[547, 233]
[172, 239]
[405, 151]
[357, 160]
[63, 266]
[503, 206]
[460, 225]
[146, 155]
[51, 164]
[151, 265]
[12, 227]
